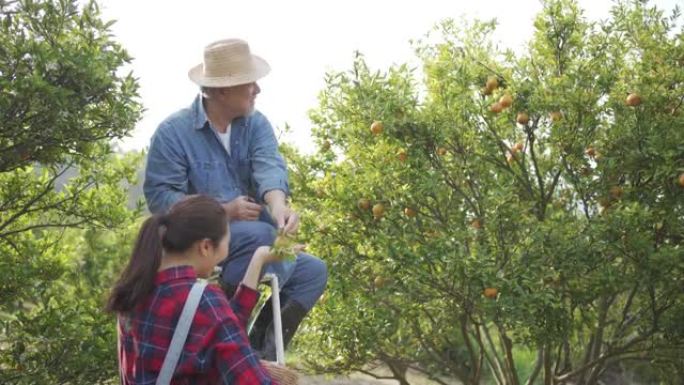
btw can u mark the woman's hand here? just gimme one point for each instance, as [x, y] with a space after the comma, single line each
[282, 250]
[263, 255]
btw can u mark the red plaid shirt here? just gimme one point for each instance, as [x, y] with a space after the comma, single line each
[217, 350]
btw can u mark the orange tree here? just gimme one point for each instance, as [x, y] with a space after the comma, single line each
[506, 218]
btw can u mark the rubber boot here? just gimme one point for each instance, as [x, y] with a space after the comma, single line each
[292, 315]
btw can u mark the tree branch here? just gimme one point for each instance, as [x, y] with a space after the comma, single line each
[537, 367]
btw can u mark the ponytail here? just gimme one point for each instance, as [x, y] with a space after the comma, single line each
[191, 219]
[137, 279]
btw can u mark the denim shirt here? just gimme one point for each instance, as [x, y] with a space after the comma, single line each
[186, 156]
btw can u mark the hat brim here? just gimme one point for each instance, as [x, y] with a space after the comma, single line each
[259, 69]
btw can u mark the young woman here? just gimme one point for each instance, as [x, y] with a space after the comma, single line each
[171, 252]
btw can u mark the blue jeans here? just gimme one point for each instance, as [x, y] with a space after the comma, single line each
[303, 280]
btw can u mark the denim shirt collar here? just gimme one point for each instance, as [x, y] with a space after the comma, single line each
[200, 116]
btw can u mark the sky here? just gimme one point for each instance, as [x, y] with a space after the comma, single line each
[300, 39]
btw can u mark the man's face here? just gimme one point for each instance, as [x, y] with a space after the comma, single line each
[240, 99]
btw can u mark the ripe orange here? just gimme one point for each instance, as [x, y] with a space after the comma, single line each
[506, 100]
[363, 204]
[633, 100]
[590, 151]
[492, 83]
[378, 210]
[491, 292]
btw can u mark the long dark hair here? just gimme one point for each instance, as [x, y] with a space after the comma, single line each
[192, 219]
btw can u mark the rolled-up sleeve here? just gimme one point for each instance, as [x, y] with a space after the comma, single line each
[166, 177]
[268, 167]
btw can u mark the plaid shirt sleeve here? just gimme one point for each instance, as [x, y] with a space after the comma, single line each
[236, 362]
[243, 303]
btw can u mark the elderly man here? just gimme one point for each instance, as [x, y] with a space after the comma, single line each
[222, 147]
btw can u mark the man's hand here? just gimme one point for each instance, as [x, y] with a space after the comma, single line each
[242, 208]
[284, 217]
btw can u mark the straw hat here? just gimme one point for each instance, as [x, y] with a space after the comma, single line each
[228, 63]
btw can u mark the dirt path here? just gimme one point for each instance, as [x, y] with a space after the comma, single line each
[361, 379]
[352, 380]
[321, 380]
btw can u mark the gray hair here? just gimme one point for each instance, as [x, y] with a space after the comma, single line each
[208, 91]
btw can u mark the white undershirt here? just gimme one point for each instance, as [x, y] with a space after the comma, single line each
[225, 138]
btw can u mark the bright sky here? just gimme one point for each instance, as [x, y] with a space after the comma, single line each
[300, 39]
